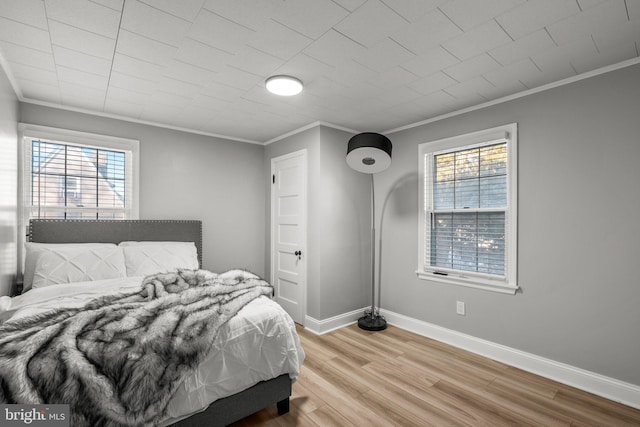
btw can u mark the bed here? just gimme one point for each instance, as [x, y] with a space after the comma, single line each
[256, 354]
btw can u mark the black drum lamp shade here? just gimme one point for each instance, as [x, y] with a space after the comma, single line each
[369, 152]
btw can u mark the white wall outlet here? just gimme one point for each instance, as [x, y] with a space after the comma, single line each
[460, 308]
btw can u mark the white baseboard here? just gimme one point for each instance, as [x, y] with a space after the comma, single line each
[320, 327]
[610, 388]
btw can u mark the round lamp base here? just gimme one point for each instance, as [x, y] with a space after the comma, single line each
[372, 323]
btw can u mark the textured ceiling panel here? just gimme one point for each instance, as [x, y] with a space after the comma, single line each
[367, 65]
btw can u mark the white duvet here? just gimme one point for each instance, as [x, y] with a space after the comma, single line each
[258, 344]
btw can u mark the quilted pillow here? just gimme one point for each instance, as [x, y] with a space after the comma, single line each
[144, 258]
[34, 250]
[78, 264]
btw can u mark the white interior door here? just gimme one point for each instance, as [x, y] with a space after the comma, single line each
[289, 232]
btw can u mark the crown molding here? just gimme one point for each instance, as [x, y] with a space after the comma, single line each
[132, 120]
[7, 70]
[563, 82]
[12, 81]
[307, 127]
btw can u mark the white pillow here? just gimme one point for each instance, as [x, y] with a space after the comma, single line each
[78, 264]
[144, 258]
[152, 242]
[34, 250]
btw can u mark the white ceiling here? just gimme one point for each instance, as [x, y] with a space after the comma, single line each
[367, 65]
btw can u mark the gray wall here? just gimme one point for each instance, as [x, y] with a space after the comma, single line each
[8, 184]
[578, 228]
[344, 201]
[338, 266]
[579, 238]
[188, 176]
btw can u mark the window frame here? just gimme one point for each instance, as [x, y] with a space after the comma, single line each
[28, 132]
[427, 150]
[131, 147]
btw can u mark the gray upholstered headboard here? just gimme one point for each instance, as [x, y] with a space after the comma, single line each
[112, 231]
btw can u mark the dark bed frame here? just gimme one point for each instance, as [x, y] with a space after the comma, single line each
[223, 411]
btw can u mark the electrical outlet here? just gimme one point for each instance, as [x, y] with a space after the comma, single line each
[460, 308]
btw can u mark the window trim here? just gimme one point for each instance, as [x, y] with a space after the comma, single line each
[29, 131]
[508, 283]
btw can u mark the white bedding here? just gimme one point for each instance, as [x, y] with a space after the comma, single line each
[258, 344]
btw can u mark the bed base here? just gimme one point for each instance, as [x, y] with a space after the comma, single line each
[223, 411]
[233, 408]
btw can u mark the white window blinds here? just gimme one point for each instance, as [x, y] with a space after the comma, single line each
[78, 182]
[468, 215]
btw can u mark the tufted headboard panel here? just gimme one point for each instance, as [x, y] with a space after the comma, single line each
[112, 231]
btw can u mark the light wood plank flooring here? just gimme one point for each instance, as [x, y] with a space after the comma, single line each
[396, 378]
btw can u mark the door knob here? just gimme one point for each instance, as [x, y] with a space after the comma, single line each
[298, 254]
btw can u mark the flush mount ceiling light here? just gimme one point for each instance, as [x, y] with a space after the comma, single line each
[283, 85]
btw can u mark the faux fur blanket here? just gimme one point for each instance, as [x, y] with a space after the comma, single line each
[119, 359]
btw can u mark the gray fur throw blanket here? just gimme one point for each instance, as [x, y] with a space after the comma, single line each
[118, 360]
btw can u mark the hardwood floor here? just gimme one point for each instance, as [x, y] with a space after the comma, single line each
[351, 377]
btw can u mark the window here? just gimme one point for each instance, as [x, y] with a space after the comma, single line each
[76, 175]
[468, 218]
[71, 181]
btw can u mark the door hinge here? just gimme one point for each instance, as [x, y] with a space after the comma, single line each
[273, 178]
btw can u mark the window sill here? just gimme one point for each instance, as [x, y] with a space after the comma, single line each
[468, 282]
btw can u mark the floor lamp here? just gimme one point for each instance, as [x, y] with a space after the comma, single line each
[370, 153]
